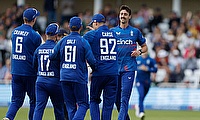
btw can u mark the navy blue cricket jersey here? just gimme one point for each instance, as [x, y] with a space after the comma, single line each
[127, 40]
[144, 76]
[24, 42]
[48, 70]
[104, 46]
[73, 51]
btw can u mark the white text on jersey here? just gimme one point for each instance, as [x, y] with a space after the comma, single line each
[108, 57]
[70, 41]
[107, 34]
[125, 42]
[18, 57]
[69, 66]
[45, 51]
[46, 73]
[23, 33]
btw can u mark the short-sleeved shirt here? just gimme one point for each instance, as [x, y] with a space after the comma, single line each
[145, 76]
[127, 40]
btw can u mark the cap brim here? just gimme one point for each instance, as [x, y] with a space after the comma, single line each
[90, 23]
[38, 14]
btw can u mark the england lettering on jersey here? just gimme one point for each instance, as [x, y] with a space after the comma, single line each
[69, 66]
[18, 57]
[46, 73]
[108, 57]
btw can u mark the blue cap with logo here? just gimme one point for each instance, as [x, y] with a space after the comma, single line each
[52, 29]
[30, 14]
[75, 23]
[98, 18]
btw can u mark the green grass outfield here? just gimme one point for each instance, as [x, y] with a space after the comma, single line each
[150, 114]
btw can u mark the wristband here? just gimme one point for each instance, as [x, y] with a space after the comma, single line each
[140, 51]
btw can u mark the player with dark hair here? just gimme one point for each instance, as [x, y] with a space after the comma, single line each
[62, 33]
[104, 46]
[128, 38]
[48, 80]
[25, 40]
[146, 67]
[74, 51]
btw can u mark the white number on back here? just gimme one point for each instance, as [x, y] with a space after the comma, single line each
[70, 53]
[42, 59]
[18, 47]
[104, 45]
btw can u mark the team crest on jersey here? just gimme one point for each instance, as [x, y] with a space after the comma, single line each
[137, 84]
[131, 33]
[148, 61]
[118, 33]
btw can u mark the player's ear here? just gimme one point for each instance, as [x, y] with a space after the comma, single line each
[129, 16]
[96, 23]
[81, 27]
[33, 20]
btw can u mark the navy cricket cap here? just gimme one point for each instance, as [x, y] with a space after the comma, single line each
[75, 23]
[98, 18]
[30, 14]
[62, 32]
[52, 29]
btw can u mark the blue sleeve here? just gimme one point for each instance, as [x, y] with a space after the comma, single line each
[38, 39]
[141, 38]
[56, 51]
[113, 29]
[88, 53]
[89, 36]
[35, 60]
[153, 67]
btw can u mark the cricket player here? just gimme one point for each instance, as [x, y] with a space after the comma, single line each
[74, 51]
[48, 80]
[127, 39]
[62, 33]
[25, 40]
[146, 67]
[104, 46]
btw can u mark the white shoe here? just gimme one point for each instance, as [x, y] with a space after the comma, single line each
[5, 119]
[137, 110]
[141, 116]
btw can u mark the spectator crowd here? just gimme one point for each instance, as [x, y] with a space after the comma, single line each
[173, 41]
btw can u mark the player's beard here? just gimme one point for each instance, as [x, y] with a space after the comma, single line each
[123, 20]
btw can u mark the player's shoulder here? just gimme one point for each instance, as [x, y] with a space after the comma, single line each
[91, 32]
[132, 28]
[139, 58]
[90, 35]
[115, 28]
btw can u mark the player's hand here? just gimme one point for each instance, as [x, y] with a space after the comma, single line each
[89, 27]
[135, 53]
[94, 67]
[143, 67]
